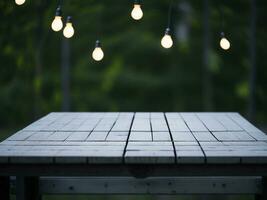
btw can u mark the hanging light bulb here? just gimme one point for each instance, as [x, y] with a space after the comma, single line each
[224, 43]
[98, 53]
[137, 12]
[166, 40]
[68, 31]
[57, 23]
[19, 2]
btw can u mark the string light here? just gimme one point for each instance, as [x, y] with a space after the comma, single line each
[224, 43]
[57, 23]
[98, 53]
[166, 40]
[19, 2]
[68, 31]
[137, 12]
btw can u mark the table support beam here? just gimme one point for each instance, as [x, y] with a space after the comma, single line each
[263, 195]
[155, 185]
[27, 188]
[4, 188]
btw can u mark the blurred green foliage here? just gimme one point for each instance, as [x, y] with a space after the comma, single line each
[137, 74]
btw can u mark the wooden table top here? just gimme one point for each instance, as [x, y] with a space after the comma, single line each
[137, 138]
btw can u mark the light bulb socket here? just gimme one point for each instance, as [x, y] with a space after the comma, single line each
[137, 2]
[168, 31]
[222, 35]
[58, 11]
[97, 43]
[69, 19]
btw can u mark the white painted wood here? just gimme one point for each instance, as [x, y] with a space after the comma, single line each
[117, 136]
[159, 124]
[193, 122]
[97, 136]
[140, 136]
[21, 135]
[59, 136]
[189, 157]
[101, 138]
[40, 135]
[204, 136]
[78, 136]
[141, 124]
[122, 124]
[233, 136]
[183, 136]
[227, 122]
[161, 136]
[149, 157]
[243, 123]
[211, 122]
[149, 148]
[177, 124]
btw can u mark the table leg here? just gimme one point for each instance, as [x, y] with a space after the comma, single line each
[263, 195]
[27, 188]
[4, 188]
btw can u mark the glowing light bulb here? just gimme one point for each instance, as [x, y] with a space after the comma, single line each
[19, 2]
[137, 12]
[98, 53]
[57, 23]
[224, 43]
[68, 31]
[166, 41]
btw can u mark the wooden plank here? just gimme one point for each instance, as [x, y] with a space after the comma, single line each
[97, 136]
[149, 143]
[140, 136]
[105, 124]
[142, 115]
[59, 136]
[227, 122]
[40, 135]
[14, 144]
[88, 125]
[260, 136]
[141, 124]
[158, 124]
[150, 185]
[117, 136]
[210, 122]
[122, 124]
[161, 136]
[183, 136]
[233, 136]
[204, 136]
[195, 143]
[149, 157]
[177, 124]
[21, 135]
[90, 156]
[78, 136]
[192, 121]
[189, 157]
[157, 115]
[149, 148]
[243, 123]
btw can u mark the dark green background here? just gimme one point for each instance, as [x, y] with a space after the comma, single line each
[137, 74]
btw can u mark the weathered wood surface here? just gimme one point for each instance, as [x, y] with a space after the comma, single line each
[181, 138]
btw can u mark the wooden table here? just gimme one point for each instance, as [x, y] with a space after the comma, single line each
[135, 153]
